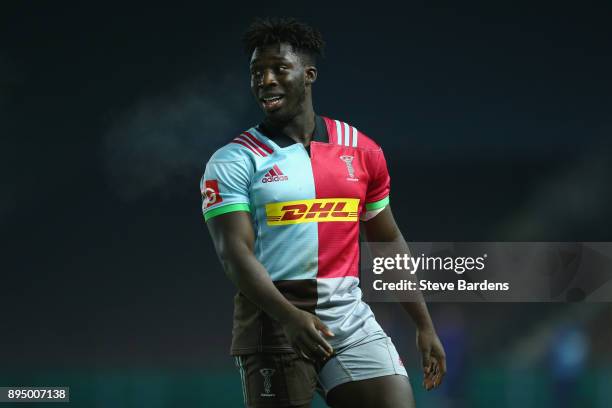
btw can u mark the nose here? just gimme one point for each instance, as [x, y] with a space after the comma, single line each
[267, 78]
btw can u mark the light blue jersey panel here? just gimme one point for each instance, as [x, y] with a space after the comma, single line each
[226, 181]
[289, 252]
[235, 178]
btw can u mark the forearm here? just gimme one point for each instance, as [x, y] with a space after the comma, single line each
[252, 280]
[418, 309]
[419, 314]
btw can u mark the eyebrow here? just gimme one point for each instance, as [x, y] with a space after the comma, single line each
[276, 60]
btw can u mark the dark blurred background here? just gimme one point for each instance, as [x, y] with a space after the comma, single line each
[495, 119]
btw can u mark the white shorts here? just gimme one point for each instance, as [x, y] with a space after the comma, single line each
[373, 356]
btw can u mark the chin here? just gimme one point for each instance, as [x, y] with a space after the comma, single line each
[278, 115]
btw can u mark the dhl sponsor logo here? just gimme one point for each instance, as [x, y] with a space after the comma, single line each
[317, 210]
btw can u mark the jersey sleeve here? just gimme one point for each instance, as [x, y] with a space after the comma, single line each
[225, 187]
[377, 195]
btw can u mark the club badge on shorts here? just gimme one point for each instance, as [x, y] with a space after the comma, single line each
[211, 194]
[267, 375]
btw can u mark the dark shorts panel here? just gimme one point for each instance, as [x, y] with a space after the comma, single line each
[276, 380]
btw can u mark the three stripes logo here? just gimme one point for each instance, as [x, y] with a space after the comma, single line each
[274, 174]
[317, 210]
[252, 143]
[346, 135]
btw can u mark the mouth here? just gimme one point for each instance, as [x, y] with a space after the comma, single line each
[271, 102]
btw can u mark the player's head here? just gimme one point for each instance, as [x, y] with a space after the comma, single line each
[283, 55]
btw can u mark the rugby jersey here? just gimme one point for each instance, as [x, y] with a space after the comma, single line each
[305, 205]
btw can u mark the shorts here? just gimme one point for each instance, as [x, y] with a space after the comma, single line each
[286, 379]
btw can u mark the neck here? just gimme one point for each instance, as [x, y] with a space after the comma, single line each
[299, 128]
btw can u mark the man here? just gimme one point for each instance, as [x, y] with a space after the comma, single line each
[282, 202]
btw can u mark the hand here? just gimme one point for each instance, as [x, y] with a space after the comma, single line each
[433, 358]
[302, 331]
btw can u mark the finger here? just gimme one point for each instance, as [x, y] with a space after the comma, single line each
[305, 356]
[426, 361]
[323, 354]
[299, 352]
[435, 376]
[435, 366]
[428, 383]
[314, 347]
[437, 380]
[323, 328]
[438, 376]
[303, 349]
[430, 379]
[320, 347]
[317, 339]
[438, 371]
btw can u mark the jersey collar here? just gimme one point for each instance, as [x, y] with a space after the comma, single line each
[282, 140]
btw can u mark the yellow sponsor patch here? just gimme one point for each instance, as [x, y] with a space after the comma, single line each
[317, 210]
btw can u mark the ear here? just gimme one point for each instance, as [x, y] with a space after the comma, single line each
[310, 72]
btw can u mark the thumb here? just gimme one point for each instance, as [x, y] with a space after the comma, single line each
[322, 327]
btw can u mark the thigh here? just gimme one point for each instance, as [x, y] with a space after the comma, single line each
[391, 391]
[276, 380]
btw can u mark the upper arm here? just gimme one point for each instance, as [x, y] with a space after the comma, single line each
[232, 233]
[225, 203]
[382, 228]
[379, 224]
[225, 186]
[379, 185]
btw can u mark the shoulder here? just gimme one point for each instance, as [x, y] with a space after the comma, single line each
[246, 146]
[346, 134]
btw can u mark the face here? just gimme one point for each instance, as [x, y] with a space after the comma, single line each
[280, 81]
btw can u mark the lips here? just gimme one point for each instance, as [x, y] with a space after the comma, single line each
[271, 102]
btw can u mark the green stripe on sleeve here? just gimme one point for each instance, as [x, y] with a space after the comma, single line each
[225, 209]
[377, 204]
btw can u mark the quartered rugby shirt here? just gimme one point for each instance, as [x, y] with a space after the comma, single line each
[305, 206]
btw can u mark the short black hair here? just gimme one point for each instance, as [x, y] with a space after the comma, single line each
[268, 31]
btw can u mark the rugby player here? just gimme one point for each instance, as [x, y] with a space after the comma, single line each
[283, 202]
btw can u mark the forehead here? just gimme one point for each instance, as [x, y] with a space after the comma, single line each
[275, 52]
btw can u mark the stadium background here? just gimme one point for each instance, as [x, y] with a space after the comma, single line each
[495, 120]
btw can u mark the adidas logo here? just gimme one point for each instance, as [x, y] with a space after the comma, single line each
[274, 174]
